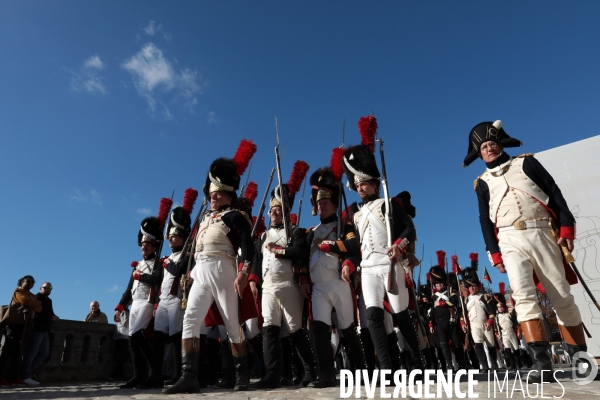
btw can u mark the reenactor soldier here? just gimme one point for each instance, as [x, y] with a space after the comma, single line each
[481, 311]
[276, 264]
[444, 311]
[435, 350]
[371, 230]
[522, 208]
[508, 324]
[223, 238]
[330, 253]
[147, 273]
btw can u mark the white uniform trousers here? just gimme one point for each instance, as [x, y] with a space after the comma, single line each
[252, 330]
[529, 250]
[480, 334]
[284, 302]
[169, 316]
[327, 295]
[510, 340]
[214, 276]
[363, 321]
[140, 315]
[374, 283]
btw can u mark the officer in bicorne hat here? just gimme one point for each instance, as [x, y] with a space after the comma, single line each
[146, 274]
[522, 208]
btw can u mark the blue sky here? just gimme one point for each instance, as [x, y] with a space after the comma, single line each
[108, 106]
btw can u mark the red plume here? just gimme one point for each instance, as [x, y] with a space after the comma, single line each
[189, 199]
[243, 155]
[501, 287]
[474, 257]
[163, 211]
[336, 163]
[298, 174]
[251, 193]
[441, 256]
[455, 266]
[294, 218]
[367, 126]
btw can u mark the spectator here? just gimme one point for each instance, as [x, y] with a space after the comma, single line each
[95, 314]
[38, 346]
[10, 360]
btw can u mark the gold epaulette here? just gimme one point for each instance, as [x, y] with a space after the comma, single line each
[476, 182]
[525, 155]
[312, 228]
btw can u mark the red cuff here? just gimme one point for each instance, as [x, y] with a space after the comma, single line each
[490, 321]
[155, 306]
[567, 232]
[409, 283]
[350, 265]
[495, 258]
[119, 308]
[136, 276]
[324, 247]
[254, 278]
[462, 323]
[431, 324]
[403, 246]
[442, 303]
[244, 267]
[305, 278]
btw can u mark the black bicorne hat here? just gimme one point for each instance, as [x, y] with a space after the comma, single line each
[323, 186]
[485, 132]
[360, 166]
[150, 231]
[500, 299]
[408, 207]
[453, 279]
[438, 275]
[179, 223]
[470, 277]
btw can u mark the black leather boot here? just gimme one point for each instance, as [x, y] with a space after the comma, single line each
[542, 361]
[287, 361]
[159, 339]
[213, 348]
[483, 362]
[355, 346]
[228, 369]
[493, 358]
[369, 350]
[379, 336]
[188, 383]
[202, 359]
[394, 351]
[176, 340]
[405, 323]
[433, 357]
[256, 344]
[518, 359]
[442, 359]
[240, 364]
[140, 365]
[304, 349]
[447, 355]
[324, 355]
[272, 358]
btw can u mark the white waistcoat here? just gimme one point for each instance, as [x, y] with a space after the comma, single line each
[168, 279]
[212, 235]
[475, 308]
[370, 223]
[505, 322]
[324, 266]
[503, 183]
[279, 269]
[140, 290]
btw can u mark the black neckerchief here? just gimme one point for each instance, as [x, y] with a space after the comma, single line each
[498, 161]
[150, 257]
[280, 226]
[177, 249]
[372, 197]
[329, 219]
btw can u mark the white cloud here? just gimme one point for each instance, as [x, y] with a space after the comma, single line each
[113, 289]
[212, 119]
[88, 78]
[152, 29]
[144, 211]
[154, 75]
[93, 197]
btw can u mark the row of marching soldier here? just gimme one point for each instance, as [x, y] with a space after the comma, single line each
[288, 293]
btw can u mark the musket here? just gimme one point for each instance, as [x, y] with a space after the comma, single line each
[468, 344]
[247, 179]
[392, 284]
[282, 191]
[187, 246]
[420, 264]
[152, 294]
[261, 210]
[300, 204]
[571, 261]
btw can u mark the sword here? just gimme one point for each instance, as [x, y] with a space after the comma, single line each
[571, 261]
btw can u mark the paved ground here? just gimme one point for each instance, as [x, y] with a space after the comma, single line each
[109, 390]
